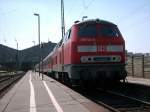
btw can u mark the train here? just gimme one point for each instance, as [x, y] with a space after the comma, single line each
[92, 52]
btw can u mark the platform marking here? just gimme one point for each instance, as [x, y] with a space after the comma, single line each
[55, 103]
[32, 96]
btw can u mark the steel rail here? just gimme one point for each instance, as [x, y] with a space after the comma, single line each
[144, 105]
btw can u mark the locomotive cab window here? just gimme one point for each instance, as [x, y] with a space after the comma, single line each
[87, 30]
[108, 31]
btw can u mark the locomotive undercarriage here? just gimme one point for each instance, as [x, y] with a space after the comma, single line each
[90, 75]
[95, 74]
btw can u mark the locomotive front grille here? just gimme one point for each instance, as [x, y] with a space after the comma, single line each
[101, 59]
[112, 58]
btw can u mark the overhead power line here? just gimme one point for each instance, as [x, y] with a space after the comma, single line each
[85, 7]
[71, 8]
[8, 12]
[135, 11]
[140, 22]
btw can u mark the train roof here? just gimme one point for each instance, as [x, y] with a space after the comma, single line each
[92, 21]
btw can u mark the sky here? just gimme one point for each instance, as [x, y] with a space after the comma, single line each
[18, 23]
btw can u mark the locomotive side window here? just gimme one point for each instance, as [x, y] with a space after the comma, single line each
[108, 31]
[60, 43]
[87, 31]
[67, 35]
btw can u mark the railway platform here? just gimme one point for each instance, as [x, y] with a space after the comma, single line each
[32, 94]
[136, 80]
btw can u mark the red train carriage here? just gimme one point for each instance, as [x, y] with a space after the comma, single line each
[91, 51]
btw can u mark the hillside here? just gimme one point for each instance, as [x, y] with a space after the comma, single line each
[27, 58]
[6, 54]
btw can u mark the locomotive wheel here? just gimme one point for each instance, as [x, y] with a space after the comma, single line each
[66, 79]
[86, 80]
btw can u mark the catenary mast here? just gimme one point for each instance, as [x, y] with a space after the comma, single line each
[62, 19]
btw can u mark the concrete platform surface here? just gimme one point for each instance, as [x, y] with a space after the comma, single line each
[31, 94]
[139, 80]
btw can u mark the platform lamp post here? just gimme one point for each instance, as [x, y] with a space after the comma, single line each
[33, 61]
[35, 14]
[42, 47]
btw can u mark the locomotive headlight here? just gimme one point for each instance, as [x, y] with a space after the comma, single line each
[116, 58]
[115, 48]
[87, 48]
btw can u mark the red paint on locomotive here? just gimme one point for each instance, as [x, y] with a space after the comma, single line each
[94, 47]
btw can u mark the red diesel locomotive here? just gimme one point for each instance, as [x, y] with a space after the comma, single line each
[92, 51]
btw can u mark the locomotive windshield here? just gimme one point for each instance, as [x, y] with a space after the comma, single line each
[87, 30]
[108, 31]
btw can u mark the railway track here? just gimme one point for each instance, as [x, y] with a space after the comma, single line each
[7, 81]
[137, 91]
[115, 101]
[125, 97]
[2, 79]
[123, 103]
